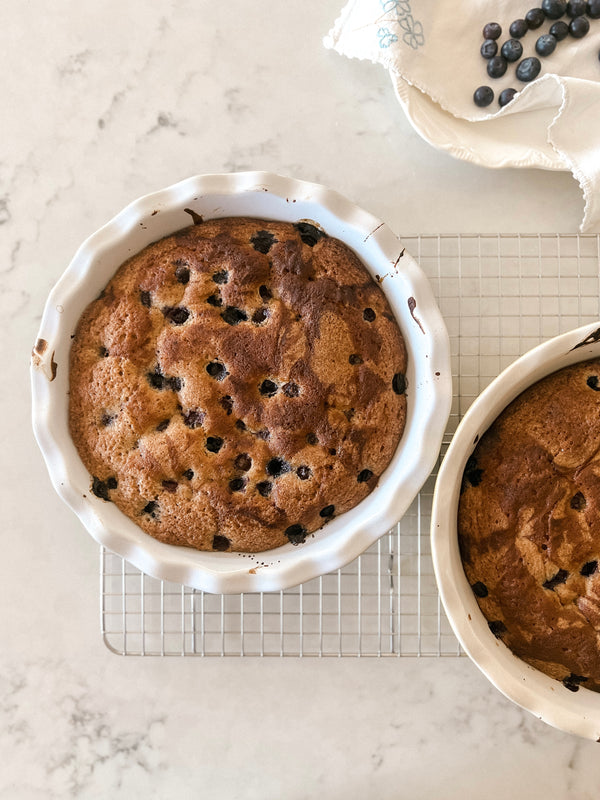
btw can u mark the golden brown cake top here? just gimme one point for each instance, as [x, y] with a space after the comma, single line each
[529, 525]
[238, 384]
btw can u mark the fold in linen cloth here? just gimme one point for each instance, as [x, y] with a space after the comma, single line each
[432, 51]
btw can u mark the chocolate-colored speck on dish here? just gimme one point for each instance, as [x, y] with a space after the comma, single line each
[518, 28]
[497, 66]
[505, 96]
[528, 526]
[512, 50]
[535, 18]
[483, 96]
[489, 48]
[238, 384]
[492, 30]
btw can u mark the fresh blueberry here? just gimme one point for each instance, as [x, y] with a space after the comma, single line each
[534, 18]
[483, 96]
[528, 69]
[560, 31]
[518, 28]
[554, 9]
[578, 27]
[576, 8]
[593, 9]
[512, 50]
[492, 31]
[496, 67]
[489, 48]
[545, 45]
[506, 95]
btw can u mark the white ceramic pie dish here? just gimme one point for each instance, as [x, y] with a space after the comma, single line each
[574, 712]
[266, 196]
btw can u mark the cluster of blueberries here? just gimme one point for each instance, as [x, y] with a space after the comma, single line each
[529, 68]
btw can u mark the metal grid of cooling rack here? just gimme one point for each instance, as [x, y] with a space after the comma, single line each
[499, 295]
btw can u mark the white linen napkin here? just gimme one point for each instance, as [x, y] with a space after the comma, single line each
[432, 51]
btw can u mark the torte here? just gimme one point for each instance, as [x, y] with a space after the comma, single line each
[529, 525]
[238, 384]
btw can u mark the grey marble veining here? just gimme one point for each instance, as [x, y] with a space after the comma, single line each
[102, 103]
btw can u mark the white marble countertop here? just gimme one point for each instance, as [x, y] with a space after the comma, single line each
[104, 102]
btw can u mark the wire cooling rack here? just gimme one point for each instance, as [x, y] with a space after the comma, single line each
[500, 296]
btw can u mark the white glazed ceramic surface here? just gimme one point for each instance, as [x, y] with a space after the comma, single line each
[516, 140]
[264, 196]
[574, 712]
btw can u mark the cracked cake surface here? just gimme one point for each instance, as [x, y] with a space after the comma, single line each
[529, 525]
[237, 384]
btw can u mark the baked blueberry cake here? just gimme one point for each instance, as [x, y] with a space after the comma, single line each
[237, 384]
[529, 525]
